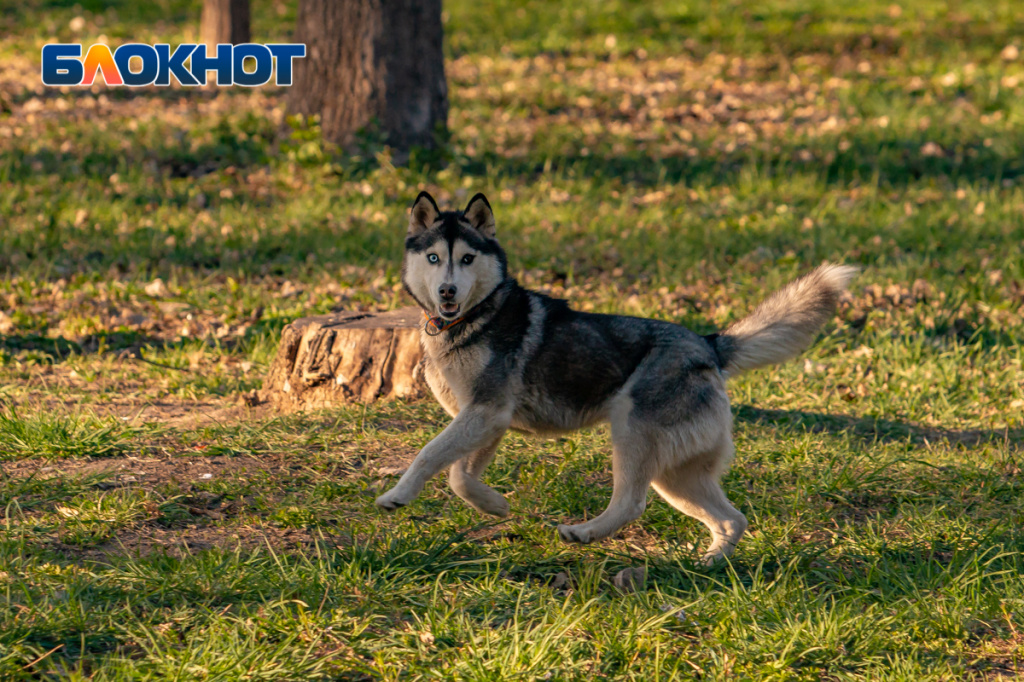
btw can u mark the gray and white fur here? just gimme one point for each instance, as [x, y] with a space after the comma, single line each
[522, 360]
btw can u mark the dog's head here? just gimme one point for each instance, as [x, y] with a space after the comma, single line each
[452, 258]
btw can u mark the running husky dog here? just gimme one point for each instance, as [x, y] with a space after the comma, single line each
[499, 356]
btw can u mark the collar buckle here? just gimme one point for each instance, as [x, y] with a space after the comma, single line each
[434, 326]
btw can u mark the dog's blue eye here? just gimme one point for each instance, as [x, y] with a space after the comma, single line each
[467, 259]
[432, 258]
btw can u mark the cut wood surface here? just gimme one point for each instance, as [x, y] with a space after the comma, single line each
[326, 360]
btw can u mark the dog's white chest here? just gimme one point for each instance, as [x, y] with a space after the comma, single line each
[455, 374]
[462, 371]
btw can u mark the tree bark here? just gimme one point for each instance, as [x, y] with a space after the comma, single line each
[327, 360]
[372, 63]
[224, 21]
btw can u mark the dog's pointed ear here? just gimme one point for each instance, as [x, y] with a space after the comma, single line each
[479, 214]
[423, 214]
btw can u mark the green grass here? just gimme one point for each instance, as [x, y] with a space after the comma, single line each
[674, 160]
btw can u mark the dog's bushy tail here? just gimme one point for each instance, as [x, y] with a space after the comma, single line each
[785, 324]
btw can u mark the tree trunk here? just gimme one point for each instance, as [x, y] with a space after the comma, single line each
[326, 360]
[224, 21]
[372, 63]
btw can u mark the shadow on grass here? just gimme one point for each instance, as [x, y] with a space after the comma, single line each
[897, 569]
[47, 347]
[240, 147]
[123, 343]
[890, 161]
[888, 579]
[868, 155]
[791, 30]
[458, 557]
[884, 430]
[59, 348]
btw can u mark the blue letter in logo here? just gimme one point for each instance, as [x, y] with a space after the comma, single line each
[62, 64]
[202, 62]
[174, 64]
[264, 64]
[285, 52]
[150, 63]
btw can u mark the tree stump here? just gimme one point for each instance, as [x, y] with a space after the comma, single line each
[327, 360]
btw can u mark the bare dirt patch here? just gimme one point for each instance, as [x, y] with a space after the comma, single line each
[181, 542]
[211, 520]
[144, 471]
[138, 409]
[1000, 658]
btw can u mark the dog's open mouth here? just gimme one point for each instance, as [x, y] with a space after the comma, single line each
[448, 310]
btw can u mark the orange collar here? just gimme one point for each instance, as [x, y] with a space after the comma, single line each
[438, 324]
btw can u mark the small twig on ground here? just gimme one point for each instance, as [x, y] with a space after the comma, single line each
[42, 657]
[136, 354]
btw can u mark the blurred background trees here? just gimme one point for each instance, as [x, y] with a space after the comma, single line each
[376, 63]
[224, 21]
[370, 65]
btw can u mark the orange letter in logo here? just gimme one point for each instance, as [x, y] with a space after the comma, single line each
[99, 57]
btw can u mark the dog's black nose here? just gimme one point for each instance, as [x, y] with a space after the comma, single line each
[447, 292]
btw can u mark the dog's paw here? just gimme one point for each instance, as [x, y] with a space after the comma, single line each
[717, 554]
[390, 501]
[497, 506]
[579, 534]
[712, 558]
[491, 502]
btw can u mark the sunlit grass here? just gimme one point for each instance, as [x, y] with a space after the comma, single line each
[673, 160]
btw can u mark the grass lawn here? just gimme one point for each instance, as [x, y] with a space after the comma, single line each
[675, 160]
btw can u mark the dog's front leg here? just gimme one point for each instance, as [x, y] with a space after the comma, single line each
[464, 478]
[475, 427]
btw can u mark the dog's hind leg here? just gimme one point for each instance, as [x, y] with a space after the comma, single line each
[634, 461]
[464, 478]
[693, 488]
